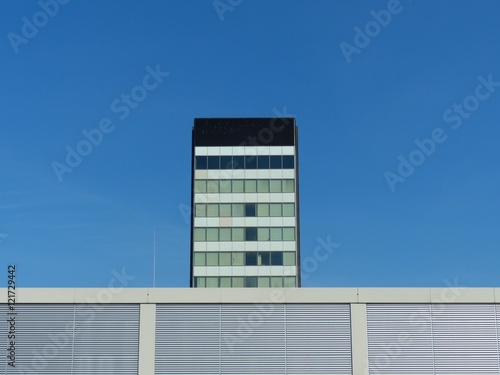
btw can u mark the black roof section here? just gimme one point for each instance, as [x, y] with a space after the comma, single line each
[276, 131]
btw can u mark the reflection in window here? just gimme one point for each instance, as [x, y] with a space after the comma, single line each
[213, 162]
[250, 234]
[201, 162]
[250, 209]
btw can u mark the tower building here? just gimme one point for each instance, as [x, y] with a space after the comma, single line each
[245, 199]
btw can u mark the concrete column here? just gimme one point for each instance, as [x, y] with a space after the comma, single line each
[147, 327]
[359, 337]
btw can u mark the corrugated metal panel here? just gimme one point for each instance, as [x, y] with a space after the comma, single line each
[187, 339]
[253, 338]
[399, 339]
[107, 342]
[318, 339]
[233, 339]
[465, 339]
[432, 339]
[49, 342]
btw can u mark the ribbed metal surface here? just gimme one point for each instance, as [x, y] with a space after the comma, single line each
[232, 339]
[253, 338]
[187, 339]
[465, 339]
[53, 339]
[432, 339]
[318, 339]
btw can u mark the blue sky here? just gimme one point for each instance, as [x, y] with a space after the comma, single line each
[368, 82]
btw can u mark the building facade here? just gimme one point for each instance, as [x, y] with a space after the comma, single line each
[226, 331]
[245, 217]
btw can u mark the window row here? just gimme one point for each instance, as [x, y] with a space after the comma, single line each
[244, 186]
[245, 162]
[244, 234]
[246, 281]
[244, 209]
[249, 258]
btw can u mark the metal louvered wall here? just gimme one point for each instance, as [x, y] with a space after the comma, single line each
[253, 339]
[71, 339]
[433, 338]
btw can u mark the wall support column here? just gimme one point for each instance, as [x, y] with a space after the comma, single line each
[359, 339]
[147, 328]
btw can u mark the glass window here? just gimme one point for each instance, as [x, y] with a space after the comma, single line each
[238, 234]
[263, 162]
[238, 186]
[225, 282]
[225, 209]
[200, 210]
[250, 234]
[288, 209]
[238, 162]
[199, 259]
[263, 209]
[237, 259]
[201, 162]
[276, 234]
[263, 234]
[250, 209]
[238, 282]
[264, 258]
[263, 282]
[226, 162]
[213, 186]
[275, 162]
[289, 259]
[199, 282]
[276, 282]
[213, 162]
[212, 259]
[288, 186]
[224, 259]
[225, 186]
[262, 186]
[251, 258]
[212, 234]
[200, 234]
[289, 282]
[225, 234]
[250, 162]
[276, 258]
[251, 281]
[212, 210]
[200, 186]
[289, 234]
[212, 282]
[238, 209]
[275, 209]
[275, 186]
[250, 186]
[288, 162]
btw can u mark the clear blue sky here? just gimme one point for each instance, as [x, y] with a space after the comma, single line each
[358, 111]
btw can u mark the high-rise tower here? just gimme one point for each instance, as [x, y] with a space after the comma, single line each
[245, 217]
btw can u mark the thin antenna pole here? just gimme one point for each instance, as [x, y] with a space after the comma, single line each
[154, 257]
